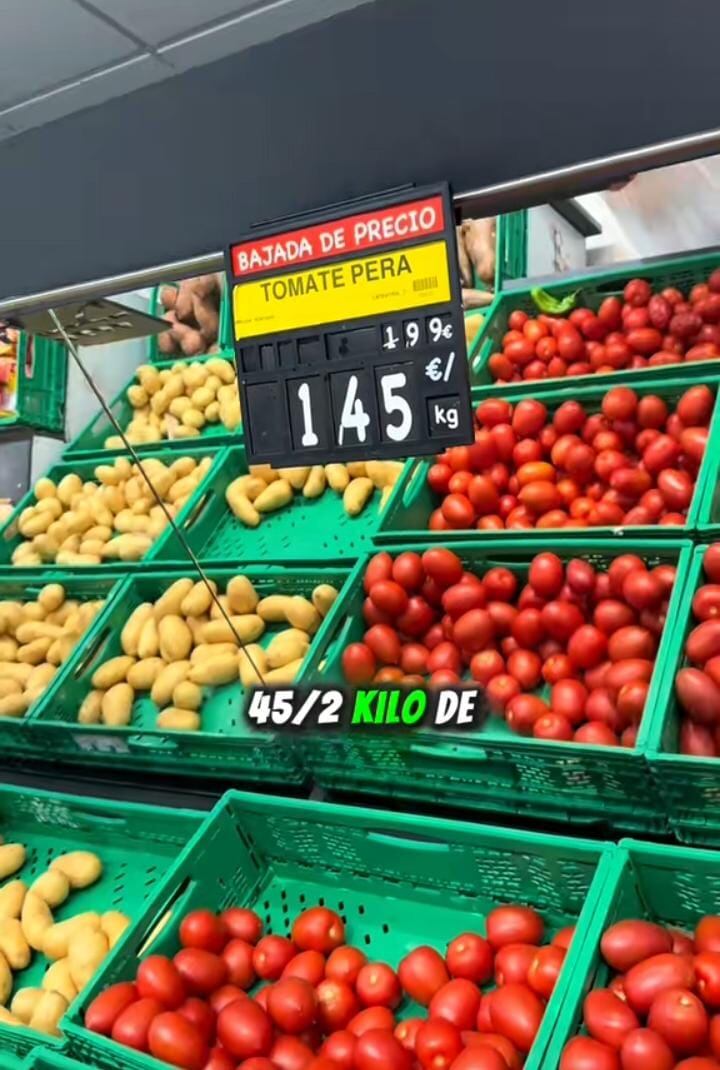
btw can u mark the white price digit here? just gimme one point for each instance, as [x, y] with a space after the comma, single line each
[396, 403]
[353, 416]
[392, 340]
[282, 707]
[412, 334]
[435, 328]
[260, 707]
[309, 437]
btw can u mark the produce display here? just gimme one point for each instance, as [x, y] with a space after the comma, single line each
[565, 652]
[193, 310]
[660, 1008]
[37, 638]
[265, 489]
[477, 252]
[697, 683]
[642, 329]
[181, 647]
[635, 461]
[235, 998]
[178, 402]
[111, 518]
[9, 339]
[73, 948]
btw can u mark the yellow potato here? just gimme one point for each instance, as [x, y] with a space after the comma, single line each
[90, 711]
[301, 613]
[52, 886]
[116, 705]
[176, 640]
[57, 937]
[34, 652]
[113, 923]
[37, 629]
[149, 641]
[143, 674]
[211, 650]
[112, 672]
[60, 650]
[131, 547]
[12, 897]
[187, 696]
[284, 675]
[9, 687]
[40, 677]
[316, 482]
[162, 690]
[14, 705]
[277, 495]
[242, 507]
[338, 477]
[246, 627]
[286, 648]
[249, 485]
[19, 672]
[47, 1014]
[252, 662]
[198, 600]
[44, 488]
[178, 720]
[241, 595]
[13, 945]
[6, 980]
[82, 868]
[23, 1004]
[214, 672]
[85, 953]
[36, 918]
[12, 858]
[132, 629]
[52, 596]
[172, 599]
[216, 612]
[57, 978]
[273, 608]
[323, 598]
[296, 477]
[357, 494]
[222, 368]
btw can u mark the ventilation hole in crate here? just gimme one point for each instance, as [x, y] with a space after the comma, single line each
[341, 905]
[361, 909]
[268, 919]
[301, 897]
[266, 904]
[321, 900]
[284, 907]
[283, 894]
[385, 928]
[366, 938]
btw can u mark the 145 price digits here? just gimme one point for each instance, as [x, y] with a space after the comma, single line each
[271, 708]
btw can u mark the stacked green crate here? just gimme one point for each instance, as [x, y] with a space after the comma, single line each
[41, 385]
[135, 844]
[494, 768]
[227, 745]
[398, 881]
[591, 289]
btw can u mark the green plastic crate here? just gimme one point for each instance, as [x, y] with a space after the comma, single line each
[227, 746]
[137, 844]
[306, 530]
[224, 341]
[91, 440]
[41, 385]
[24, 586]
[10, 537]
[41, 1059]
[511, 242]
[406, 515]
[689, 786]
[493, 768]
[682, 272]
[669, 885]
[398, 881]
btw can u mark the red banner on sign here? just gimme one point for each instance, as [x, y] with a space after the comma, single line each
[353, 234]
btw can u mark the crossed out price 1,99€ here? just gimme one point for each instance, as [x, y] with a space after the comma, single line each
[329, 708]
[349, 336]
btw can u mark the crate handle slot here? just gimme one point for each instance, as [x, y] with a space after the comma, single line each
[413, 487]
[101, 820]
[338, 640]
[199, 509]
[152, 743]
[91, 654]
[398, 839]
[164, 915]
[453, 752]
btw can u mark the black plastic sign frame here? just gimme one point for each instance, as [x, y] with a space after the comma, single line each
[349, 333]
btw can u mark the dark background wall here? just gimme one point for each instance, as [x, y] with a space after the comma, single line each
[474, 91]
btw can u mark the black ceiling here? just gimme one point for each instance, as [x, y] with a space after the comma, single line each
[474, 91]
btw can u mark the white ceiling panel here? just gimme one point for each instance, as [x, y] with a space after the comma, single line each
[159, 21]
[44, 43]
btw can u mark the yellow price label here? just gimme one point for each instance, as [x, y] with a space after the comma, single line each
[352, 289]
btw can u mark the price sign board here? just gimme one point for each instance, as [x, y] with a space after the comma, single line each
[349, 334]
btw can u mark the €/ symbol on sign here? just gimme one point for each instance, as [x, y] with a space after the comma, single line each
[434, 370]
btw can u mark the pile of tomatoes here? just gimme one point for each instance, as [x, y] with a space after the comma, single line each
[587, 636]
[660, 1010]
[643, 330]
[697, 685]
[633, 462]
[317, 1003]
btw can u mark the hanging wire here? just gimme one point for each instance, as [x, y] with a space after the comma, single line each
[138, 463]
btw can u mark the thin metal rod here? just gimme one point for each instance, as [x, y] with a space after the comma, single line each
[487, 200]
[138, 463]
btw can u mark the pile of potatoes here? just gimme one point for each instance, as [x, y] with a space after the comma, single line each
[35, 639]
[180, 645]
[193, 310]
[266, 489]
[75, 947]
[111, 518]
[178, 402]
